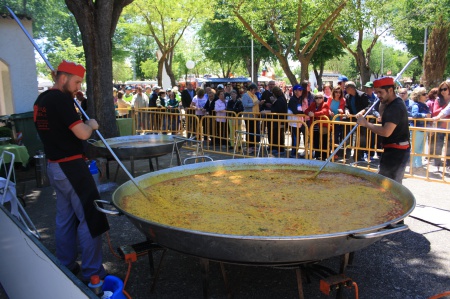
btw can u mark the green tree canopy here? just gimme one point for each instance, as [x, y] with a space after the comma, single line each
[288, 24]
[225, 42]
[166, 22]
[368, 18]
[328, 49]
[415, 21]
[50, 20]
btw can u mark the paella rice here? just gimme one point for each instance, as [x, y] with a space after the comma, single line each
[268, 202]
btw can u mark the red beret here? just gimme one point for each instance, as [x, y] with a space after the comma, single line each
[71, 68]
[385, 81]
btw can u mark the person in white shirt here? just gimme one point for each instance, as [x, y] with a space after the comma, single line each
[220, 109]
[140, 100]
[198, 103]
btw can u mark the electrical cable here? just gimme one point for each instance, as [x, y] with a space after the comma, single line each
[111, 248]
[120, 258]
[126, 280]
[356, 290]
[440, 295]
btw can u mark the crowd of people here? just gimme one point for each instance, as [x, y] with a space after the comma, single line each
[341, 103]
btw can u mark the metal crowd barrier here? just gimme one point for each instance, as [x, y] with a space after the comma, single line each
[272, 135]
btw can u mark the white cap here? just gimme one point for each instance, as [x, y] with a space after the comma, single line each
[220, 86]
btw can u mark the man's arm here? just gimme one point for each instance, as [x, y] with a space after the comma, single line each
[84, 130]
[384, 130]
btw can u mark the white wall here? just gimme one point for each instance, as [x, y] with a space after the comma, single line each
[329, 77]
[17, 54]
[29, 270]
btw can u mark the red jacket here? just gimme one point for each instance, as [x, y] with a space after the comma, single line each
[435, 111]
[321, 112]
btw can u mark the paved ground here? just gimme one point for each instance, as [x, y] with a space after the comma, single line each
[411, 264]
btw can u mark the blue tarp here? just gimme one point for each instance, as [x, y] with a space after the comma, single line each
[224, 80]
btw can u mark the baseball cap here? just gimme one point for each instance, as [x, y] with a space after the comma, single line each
[342, 78]
[369, 84]
[297, 87]
[156, 87]
[220, 86]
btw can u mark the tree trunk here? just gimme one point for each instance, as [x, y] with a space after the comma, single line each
[256, 62]
[97, 22]
[161, 63]
[435, 60]
[318, 74]
[364, 68]
[287, 70]
[169, 70]
[304, 74]
[364, 71]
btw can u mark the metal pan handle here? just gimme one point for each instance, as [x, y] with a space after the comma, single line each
[391, 229]
[100, 209]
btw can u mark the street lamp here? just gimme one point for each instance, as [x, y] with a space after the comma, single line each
[190, 65]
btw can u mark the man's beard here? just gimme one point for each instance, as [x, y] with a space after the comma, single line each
[66, 90]
[384, 100]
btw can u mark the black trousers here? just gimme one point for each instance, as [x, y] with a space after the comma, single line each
[320, 152]
[393, 163]
[253, 128]
[275, 135]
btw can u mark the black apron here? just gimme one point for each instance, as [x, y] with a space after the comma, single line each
[82, 182]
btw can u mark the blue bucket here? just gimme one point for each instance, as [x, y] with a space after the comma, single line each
[115, 285]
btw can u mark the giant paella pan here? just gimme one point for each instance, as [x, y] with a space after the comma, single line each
[265, 211]
[136, 146]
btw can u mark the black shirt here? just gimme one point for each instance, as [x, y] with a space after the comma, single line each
[361, 101]
[152, 100]
[54, 116]
[295, 105]
[266, 97]
[235, 105]
[279, 106]
[396, 113]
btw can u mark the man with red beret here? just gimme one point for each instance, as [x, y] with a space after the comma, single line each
[62, 132]
[394, 130]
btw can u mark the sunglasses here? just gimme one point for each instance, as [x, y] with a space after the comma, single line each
[443, 89]
[402, 93]
[316, 98]
[424, 94]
